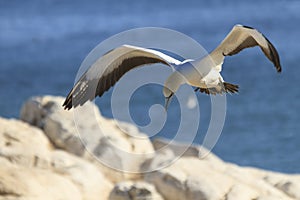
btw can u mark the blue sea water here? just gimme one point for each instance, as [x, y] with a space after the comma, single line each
[43, 42]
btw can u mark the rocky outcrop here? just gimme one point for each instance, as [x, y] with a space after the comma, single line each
[57, 154]
[189, 178]
[31, 168]
[129, 190]
[211, 178]
[18, 182]
[85, 133]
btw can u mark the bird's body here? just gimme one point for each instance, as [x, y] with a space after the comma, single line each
[203, 73]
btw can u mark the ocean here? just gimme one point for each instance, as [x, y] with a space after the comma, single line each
[43, 43]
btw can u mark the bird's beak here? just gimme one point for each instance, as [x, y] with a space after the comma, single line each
[168, 101]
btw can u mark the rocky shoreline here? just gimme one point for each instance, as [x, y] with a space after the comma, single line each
[43, 157]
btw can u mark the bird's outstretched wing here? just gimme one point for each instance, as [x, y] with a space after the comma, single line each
[241, 37]
[109, 68]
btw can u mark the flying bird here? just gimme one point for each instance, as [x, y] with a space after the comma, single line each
[203, 73]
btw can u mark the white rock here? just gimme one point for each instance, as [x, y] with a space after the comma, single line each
[186, 150]
[83, 174]
[162, 159]
[190, 178]
[23, 144]
[290, 187]
[84, 132]
[134, 191]
[241, 192]
[178, 148]
[271, 197]
[26, 150]
[47, 114]
[167, 152]
[17, 182]
[31, 168]
[288, 184]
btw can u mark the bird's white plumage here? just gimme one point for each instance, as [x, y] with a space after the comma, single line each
[166, 57]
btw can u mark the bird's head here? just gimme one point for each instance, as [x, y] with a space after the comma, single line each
[172, 84]
[168, 96]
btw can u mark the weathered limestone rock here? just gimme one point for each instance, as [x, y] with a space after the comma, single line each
[288, 184]
[55, 162]
[30, 168]
[167, 153]
[209, 178]
[46, 113]
[134, 191]
[23, 144]
[18, 182]
[87, 177]
[84, 132]
[190, 178]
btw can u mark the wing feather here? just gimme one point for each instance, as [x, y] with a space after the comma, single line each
[108, 69]
[241, 37]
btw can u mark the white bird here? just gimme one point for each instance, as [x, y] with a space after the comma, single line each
[203, 73]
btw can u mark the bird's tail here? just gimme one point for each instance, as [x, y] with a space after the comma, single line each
[231, 88]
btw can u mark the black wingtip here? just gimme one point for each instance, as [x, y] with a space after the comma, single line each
[272, 53]
[279, 69]
[67, 105]
[274, 56]
[248, 27]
